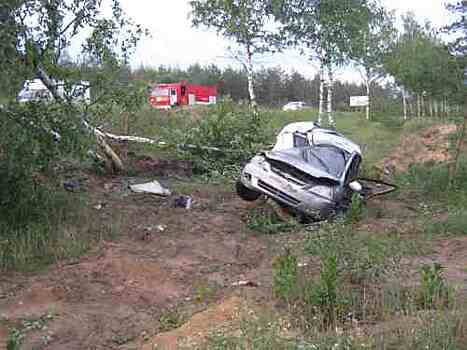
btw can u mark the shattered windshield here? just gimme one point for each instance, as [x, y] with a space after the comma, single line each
[327, 158]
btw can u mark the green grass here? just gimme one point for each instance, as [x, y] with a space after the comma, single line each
[66, 228]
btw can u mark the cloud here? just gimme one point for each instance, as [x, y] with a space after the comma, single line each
[175, 42]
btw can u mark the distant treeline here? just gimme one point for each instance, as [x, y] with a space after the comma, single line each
[273, 86]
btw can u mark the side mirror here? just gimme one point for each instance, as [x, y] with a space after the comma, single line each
[356, 186]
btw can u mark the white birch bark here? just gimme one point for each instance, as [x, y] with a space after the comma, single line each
[321, 93]
[431, 107]
[117, 163]
[330, 96]
[419, 106]
[249, 68]
[422, 102]
[367, 83]
[404, 103]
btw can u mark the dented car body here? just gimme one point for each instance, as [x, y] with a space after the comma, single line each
[310, 170]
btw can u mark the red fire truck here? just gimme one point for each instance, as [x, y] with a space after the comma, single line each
[166, 96]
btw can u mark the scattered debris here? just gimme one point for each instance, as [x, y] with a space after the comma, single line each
[161, 228]
[73, 185]
[153, 187]
[245, 284]
[183, 202]
[100, 206]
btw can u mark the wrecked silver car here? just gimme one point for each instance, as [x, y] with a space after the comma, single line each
[311, 170]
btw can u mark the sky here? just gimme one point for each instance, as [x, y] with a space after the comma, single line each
[174, 42]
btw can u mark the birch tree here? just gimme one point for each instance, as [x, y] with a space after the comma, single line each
[371, 46]
[37, 34]
[421, 63]
[325, 30]
[245, 22]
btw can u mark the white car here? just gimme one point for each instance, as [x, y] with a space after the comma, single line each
[311, 170]
[294, 106]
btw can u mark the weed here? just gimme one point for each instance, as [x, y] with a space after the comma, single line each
[455, 224]
[266, 220]
[434, 291]
[362, 258]
[259, 334]
[17, 335]
[122, 339]
[441, 331]
[285, 274]
[355, 211]
[15, 339]
[324, 294]
[170, 320]
[205, 291]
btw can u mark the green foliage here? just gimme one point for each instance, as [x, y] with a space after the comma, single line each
[361, 258]
[454, 224]
[27, 149]
[421, 62]
[355, 211]
[236, 132]
[324, 294]
[441, 331]
[265, 220]
[16, 335]
[245, 22]
[327, 27]
[434, 291]
[170, 320]
[285, 274]
[432, 183]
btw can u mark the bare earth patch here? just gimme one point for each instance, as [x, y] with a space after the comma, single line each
[194, 332]
[431, 146]
[117, 294]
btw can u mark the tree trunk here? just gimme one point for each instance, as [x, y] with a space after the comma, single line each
[431, 107]
[321, 93]
[444, 107]
[117, 164]
[435, 107]
[422, 102]
[419, 109]
[249, 68]
[331, 121]
[459, 146]
[404, 103]
[367, 83]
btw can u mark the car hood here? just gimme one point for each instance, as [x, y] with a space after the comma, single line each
[303, 159]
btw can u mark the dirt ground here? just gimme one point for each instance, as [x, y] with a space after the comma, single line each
[169, 260]
[169, 279]
[431, 146]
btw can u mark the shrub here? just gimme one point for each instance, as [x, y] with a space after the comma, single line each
[234, 130]
[433, 291]
[355, 211]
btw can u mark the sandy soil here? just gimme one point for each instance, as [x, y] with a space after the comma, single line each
[431, 146]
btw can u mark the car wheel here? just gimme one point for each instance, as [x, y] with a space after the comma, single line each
[245, 193]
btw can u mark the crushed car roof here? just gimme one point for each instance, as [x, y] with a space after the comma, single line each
[326, 162]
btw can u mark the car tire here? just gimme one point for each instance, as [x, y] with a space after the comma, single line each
[245, 193]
